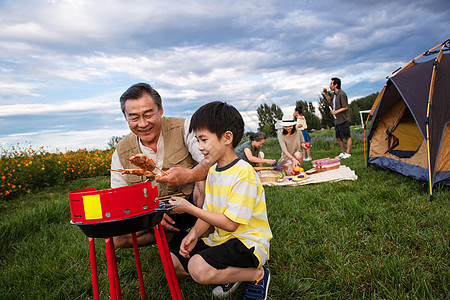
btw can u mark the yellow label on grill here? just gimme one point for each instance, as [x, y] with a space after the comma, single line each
[92, 207]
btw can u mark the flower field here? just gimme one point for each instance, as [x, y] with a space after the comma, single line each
[23, 169]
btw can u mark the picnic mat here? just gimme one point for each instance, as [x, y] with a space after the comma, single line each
[343, 173]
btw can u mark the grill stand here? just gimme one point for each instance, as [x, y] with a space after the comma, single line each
[113, 276]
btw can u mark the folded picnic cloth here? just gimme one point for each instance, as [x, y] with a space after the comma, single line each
[343, 173]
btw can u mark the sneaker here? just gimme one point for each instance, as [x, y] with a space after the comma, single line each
[224, 290]
[346, 155]
[258, 289]
[340, 155]
[307, 159]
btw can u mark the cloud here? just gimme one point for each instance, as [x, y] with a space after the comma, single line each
[39, 109]
[71, 60]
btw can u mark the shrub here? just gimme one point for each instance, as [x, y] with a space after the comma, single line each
[23, 169]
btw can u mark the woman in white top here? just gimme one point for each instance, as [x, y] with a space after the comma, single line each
[290, 140]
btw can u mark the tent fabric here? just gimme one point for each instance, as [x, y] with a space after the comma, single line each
[414, 87]
[397, 138]
[444, 154]
[408, 134]
[406, 169]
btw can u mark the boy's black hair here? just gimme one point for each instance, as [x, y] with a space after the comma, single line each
[219, 117]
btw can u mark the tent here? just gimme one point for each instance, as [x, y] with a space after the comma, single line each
[410, 128]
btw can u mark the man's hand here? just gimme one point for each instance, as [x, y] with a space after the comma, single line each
[326, 95]
[176, 176]
[167, 223]
[333, 112]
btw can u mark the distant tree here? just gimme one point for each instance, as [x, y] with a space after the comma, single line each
[112, 143]
[325, 111]
[356, 106]
[309, 112]
[268, 116]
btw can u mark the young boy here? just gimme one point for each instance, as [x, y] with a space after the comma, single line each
[234, 207]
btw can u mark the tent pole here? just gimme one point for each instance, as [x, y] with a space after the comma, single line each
[416, 58]
[430, 99]
[365, 157]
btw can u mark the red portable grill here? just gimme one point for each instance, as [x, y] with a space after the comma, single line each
[119, 211]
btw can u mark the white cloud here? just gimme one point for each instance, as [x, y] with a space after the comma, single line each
[13, 89]
[39, 109]
[62, 56]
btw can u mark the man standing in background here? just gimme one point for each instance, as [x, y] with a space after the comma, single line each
[341, 115]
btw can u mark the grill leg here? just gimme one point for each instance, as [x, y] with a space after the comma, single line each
[137, 258]
[169, 270]
[111, 269]
[93, 263]
[116, 272]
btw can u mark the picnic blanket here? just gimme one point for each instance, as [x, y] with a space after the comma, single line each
[343, 173]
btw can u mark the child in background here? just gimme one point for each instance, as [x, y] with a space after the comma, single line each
[234, 206]
[301, 124]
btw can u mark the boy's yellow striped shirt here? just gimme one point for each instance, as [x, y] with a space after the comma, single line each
[238, 193]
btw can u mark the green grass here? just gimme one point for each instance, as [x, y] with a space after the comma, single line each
[375, 238]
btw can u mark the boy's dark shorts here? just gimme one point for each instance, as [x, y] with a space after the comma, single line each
[342, 130]
[183, 222]
[232, 253]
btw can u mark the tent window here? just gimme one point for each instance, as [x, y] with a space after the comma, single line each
[409, 136]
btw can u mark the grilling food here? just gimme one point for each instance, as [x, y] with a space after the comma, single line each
[143, 162]
[146, 165]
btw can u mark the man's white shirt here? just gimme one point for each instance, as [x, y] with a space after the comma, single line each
[118, 180]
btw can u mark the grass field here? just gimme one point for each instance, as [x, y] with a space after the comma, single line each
[375, 238]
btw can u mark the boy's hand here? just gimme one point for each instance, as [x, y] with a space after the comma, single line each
[187, 244]
[183, 204]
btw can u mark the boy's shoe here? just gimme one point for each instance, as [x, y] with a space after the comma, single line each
[346, 155]
[258, 289]
[341, 155]
[307, 159]
[224, 290]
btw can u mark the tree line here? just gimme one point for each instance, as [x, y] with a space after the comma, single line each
[269, 114]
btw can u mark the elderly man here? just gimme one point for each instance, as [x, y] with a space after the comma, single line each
[167, 141]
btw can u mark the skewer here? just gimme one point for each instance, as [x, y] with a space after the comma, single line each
[161, 170]
[166, 198]
[147, 175]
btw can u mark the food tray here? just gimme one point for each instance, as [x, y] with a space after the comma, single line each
[268, 176]
[326, 164]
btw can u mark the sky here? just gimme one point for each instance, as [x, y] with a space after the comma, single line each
[65, 63]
